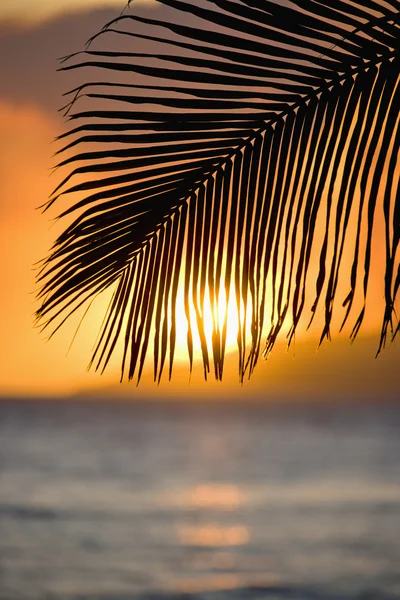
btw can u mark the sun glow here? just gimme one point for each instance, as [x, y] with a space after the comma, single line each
[224, 313]
[214, 535]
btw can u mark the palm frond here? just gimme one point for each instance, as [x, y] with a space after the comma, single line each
[221, 146]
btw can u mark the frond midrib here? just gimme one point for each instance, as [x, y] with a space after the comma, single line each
[325, 85]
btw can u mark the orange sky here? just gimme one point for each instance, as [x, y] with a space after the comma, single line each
[29, 365]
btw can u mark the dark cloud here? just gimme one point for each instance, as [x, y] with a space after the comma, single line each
[28, 71]
[28, 68]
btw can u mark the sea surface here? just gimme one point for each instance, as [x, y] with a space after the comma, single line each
[117, 501]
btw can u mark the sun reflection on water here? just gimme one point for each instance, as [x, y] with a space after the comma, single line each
[214, 535]
[215, 495]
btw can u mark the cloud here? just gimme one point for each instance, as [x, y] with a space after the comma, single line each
[29, 72]
[24, 12]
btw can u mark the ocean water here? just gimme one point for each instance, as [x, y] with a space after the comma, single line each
[113, 501]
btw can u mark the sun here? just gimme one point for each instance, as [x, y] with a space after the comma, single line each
[226, 309]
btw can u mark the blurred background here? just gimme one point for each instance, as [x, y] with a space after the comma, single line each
[285, 487]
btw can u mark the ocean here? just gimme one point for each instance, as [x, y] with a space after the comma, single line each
[199, 501]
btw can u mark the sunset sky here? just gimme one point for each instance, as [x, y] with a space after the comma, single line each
[32, 37]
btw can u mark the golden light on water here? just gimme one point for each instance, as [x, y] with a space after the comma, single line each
[215, 495]
[214, 535]
[217, 499]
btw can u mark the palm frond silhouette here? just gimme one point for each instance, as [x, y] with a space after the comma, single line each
[222, 144]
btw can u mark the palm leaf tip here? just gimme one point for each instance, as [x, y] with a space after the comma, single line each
[250, 167]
